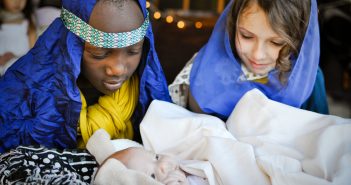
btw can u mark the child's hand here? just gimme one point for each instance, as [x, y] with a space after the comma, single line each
[6, 57]
[176, 177]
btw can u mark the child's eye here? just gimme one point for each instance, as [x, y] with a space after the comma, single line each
[99, 56]
[246, 36]
[133, 52]
[153, 176]
[278, 43]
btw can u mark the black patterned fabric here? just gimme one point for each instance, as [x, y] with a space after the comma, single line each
[39, 165]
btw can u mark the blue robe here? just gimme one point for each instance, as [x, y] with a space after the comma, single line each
[39, 99]
[216, 77]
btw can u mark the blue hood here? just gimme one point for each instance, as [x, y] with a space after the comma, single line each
[215, 79]
[39, 99]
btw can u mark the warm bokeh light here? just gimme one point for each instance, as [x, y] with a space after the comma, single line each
[198, 25]
[169, 19]
[181, 24]
[147, 4]
[157, 15]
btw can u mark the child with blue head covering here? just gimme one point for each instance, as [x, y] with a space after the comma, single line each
[94, 67]
[271, 45]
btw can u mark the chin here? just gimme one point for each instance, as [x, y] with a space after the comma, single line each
[260, 72]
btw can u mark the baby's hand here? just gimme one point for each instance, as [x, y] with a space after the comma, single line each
[6, 57]
[176, 177]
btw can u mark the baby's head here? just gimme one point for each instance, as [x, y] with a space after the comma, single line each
[117, 155]
[159, 167]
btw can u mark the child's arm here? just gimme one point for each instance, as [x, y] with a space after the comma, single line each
[6, 57]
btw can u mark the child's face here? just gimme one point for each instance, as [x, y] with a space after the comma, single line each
[256, 43]
[14, 6]
[107, 69]
[159, 167]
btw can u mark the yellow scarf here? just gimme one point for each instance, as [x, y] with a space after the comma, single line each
[112, 113]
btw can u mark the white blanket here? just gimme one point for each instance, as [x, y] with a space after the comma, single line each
[267, 143]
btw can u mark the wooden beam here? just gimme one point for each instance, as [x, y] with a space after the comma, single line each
[186, 4]
[220, 6]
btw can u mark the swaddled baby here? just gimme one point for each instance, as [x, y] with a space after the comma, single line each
[127, 162]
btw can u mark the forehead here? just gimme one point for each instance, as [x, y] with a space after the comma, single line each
[112, 18]
[140, 159]
[141, 153]
[255, 20]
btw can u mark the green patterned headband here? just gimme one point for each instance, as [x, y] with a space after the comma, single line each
[102, 39]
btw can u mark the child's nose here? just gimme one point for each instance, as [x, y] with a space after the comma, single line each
[115, 69]
[259, 52]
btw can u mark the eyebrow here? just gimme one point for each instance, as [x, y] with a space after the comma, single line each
[274, 37]
[89, 46]
[92, 47]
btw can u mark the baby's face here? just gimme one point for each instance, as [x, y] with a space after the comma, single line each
[159, 167]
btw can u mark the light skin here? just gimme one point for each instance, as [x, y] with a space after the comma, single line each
[256, 43]
[162, 168]
[107, 69]
[16, 6]
[13, 6]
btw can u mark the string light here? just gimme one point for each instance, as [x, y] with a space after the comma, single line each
[169, 19]
[157, 15]
[198, 25]
[180, 24]
[176, 17]
[147, 4]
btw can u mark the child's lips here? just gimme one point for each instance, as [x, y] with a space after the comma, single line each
[257, 65]
[112, 85]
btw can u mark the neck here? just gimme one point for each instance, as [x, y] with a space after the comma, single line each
[90, 93]
[11, 17]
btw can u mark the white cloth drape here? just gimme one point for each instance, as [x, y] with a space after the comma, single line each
[267, 143]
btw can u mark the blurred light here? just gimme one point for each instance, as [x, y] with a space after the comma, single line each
[181, 24]
[169, 19]
[198, 25]
[147, 4]
[157, 15]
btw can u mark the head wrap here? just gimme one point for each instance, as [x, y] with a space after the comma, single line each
[99, 38]
[39, 99]
[215, 78]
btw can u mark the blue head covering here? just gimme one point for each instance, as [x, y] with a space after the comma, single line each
[39, 99]
[215, 79]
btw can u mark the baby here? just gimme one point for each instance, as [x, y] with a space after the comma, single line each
[127, 154]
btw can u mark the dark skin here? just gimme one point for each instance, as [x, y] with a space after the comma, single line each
[106, 69]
